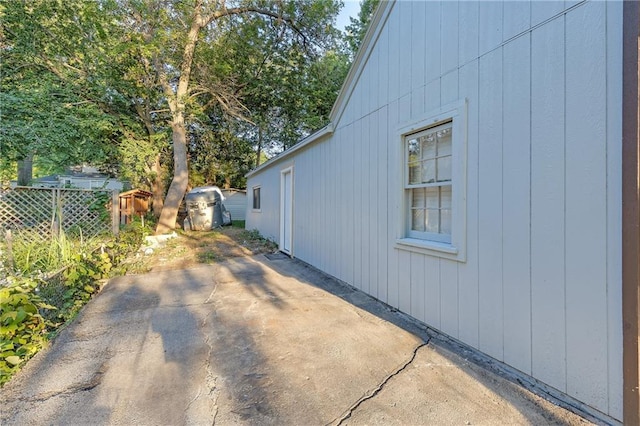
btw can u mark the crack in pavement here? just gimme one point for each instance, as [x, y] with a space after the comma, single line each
[213, 292]
[377, 389]
[211, 391]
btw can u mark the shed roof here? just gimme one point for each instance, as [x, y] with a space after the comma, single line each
[136, 192]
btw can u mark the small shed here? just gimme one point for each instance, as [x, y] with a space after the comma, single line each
[235, 200]
[134, 202]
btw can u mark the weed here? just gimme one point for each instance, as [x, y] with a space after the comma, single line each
[31, 309]
[208, 257]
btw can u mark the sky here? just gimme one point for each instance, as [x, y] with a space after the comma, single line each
[351, 8]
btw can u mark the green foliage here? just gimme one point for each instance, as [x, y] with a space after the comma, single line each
[22, 328]
[98, 204]
[208, 257]
[82, 280]
[255, 237]
[60, 70]
[355, 32]
[32, 309]
[97, 82]
[238, 223]
[31, 253]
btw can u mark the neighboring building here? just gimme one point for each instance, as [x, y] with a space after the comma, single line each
[83, 177]
[471, 176]
[235, 201]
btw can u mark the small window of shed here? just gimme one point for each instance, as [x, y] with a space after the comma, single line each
[256, 198]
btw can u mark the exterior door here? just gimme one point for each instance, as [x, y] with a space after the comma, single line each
[286, 210]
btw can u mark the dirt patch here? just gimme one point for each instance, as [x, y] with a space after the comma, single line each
[200, 247]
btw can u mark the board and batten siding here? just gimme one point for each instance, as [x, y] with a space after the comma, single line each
[540, 288]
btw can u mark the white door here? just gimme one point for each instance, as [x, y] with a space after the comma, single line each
[286, 210]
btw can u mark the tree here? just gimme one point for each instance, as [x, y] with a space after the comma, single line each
[173, 30]
[285, 91]
[355, 32]
[44, 120]
[173, 78]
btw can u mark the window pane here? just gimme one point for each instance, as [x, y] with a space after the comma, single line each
[256, 198]
[414, 173]
[414, 150]
[445, 221]
[429, 171]
[432, 224]
[429, 168]
[428, 146]
[417, 198]
[444, 142]
[444, 169]
[417, 220]
[445, 197]
[432, 198]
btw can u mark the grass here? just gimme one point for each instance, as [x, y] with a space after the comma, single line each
[31, 253]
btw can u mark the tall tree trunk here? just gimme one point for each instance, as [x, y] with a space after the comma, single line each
[25, 170]
[176, 99]
[157, 188]
[180, 180]
[157, 184]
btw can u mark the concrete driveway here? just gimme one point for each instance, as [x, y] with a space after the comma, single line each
[255, 341]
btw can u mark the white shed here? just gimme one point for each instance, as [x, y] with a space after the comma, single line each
[235, 200]
[471, 176]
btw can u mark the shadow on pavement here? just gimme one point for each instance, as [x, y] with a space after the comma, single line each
[481, 368]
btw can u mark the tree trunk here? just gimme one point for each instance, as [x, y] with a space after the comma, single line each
[25, 170]
[157, 188]
[176, 101]
[180, 180]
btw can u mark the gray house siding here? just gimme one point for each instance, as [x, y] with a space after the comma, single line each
[539, 286]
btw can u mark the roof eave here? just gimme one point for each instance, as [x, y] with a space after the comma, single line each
[325, 131]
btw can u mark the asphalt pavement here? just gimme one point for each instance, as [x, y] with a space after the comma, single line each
[256, 341]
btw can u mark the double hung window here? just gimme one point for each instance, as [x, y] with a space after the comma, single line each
[434, 183]
[428, 183]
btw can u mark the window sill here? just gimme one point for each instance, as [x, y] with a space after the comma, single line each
[256, 210]
[432, 248]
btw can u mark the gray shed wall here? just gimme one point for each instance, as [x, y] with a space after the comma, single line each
[540, 288]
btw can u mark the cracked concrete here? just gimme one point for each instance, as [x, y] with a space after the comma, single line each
[254, 341]
[371, 394]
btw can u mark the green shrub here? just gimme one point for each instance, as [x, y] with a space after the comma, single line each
[22, 328]
[32, 309]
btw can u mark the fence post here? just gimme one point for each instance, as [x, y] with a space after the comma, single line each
[56, 213]
[115, 212]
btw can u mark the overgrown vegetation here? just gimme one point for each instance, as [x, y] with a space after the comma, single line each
[43, 286]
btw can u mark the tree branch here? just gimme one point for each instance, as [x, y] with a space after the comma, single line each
[251, 9]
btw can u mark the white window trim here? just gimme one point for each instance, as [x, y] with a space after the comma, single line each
[456, 250]
[253, 188]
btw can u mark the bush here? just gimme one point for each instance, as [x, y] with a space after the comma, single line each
[31, 309]
[22, 328]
